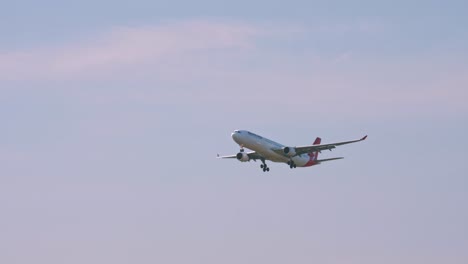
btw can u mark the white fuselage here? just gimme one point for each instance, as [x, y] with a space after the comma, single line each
[264, 147]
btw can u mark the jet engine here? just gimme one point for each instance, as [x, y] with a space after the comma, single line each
[289, 151]
[241, 156]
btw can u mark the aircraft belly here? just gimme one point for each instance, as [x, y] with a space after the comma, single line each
[273, 156]
[263, 149]
[300, 161]
[267, 153]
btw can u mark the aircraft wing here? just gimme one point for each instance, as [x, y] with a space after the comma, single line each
[252, 155]
[312, 148]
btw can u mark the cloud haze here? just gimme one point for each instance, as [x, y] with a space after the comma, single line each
[123, 47]
[211, 61]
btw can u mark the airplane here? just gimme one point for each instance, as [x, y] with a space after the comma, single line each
[266, 149]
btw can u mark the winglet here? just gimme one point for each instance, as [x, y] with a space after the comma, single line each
[364, 137]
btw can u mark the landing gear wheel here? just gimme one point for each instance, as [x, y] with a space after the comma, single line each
[264, 166]
[291, 164]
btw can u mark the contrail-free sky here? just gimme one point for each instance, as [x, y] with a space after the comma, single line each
[113, 112]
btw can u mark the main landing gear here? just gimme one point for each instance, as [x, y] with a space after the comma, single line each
[291, 164]
[264, 166]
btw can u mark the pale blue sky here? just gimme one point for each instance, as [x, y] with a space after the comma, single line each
[112, 114]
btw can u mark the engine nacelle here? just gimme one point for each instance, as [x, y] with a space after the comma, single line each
[289, 151]
[242, 157]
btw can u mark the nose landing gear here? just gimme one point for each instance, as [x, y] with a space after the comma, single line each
[241, 148]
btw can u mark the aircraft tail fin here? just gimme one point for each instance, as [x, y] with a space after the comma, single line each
[314, 155]
[317, 141]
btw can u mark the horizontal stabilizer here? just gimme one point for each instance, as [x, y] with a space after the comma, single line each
[323, 160]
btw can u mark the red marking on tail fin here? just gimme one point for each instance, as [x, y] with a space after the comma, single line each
[317, 141]
[314, 155]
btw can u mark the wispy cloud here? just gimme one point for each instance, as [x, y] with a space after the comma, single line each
[197, 61]
[125, 46]
[131, 47]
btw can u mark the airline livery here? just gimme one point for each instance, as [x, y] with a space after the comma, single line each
[265, 149]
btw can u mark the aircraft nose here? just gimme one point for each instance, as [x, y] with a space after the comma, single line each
[235, 135]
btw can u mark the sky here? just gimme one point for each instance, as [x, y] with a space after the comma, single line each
[113, 112]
